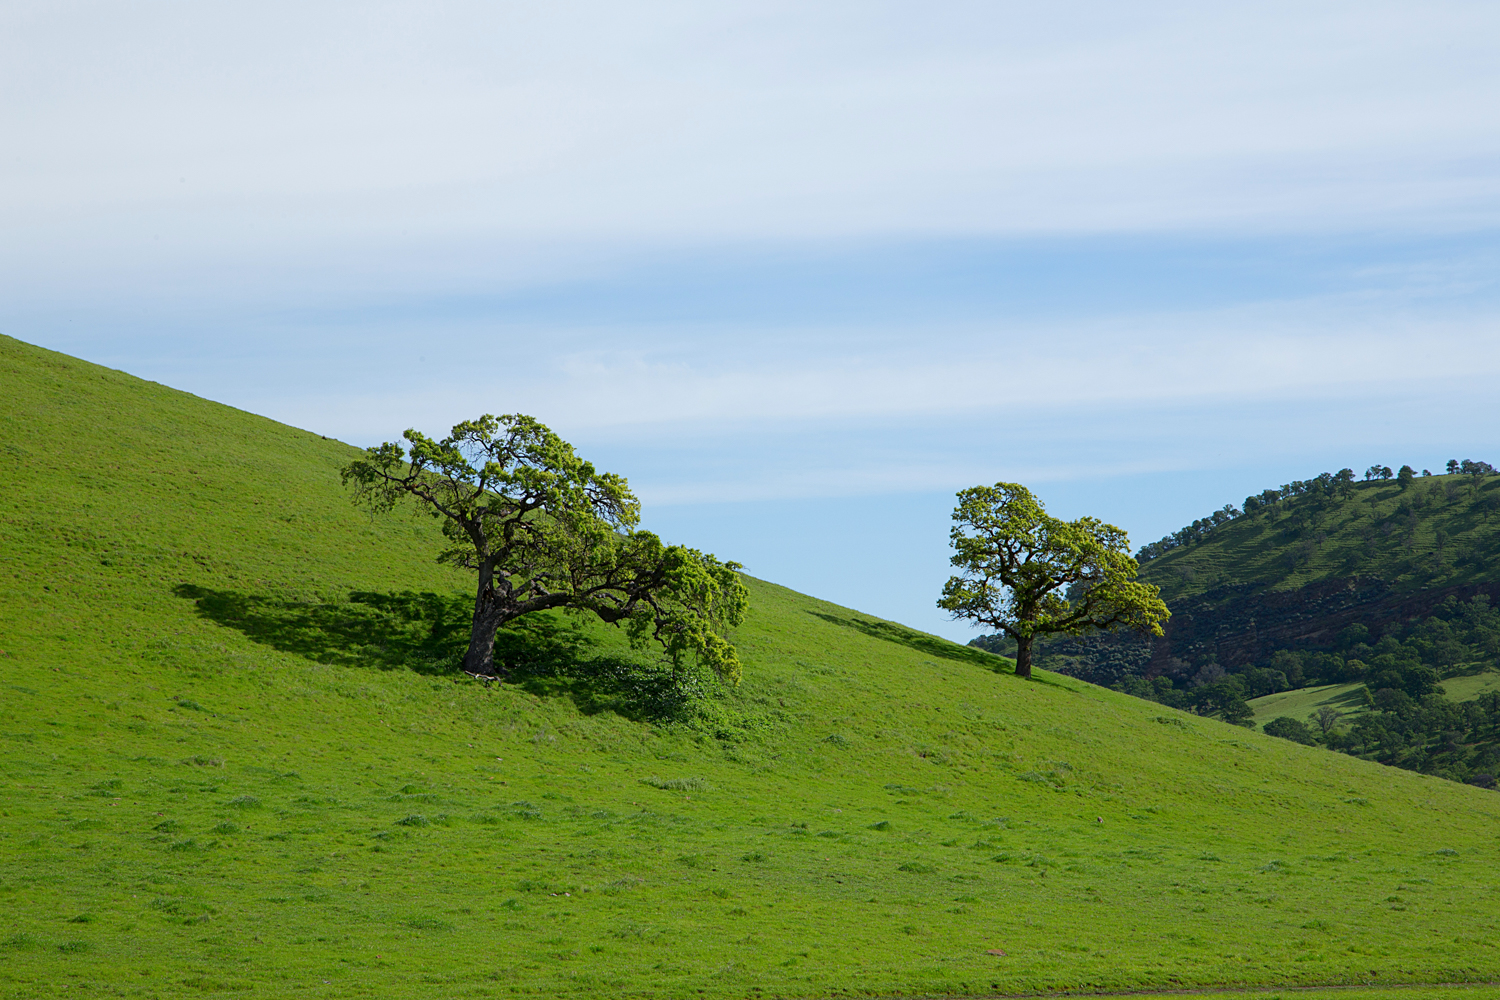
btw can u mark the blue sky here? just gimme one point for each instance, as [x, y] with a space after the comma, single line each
[798, 272]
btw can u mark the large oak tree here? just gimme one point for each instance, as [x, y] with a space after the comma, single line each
[544, 529]
[1027, 573]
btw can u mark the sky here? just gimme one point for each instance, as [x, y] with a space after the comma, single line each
[798, 271]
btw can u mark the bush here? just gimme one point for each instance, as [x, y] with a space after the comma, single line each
[1288, 728]
[676, 784]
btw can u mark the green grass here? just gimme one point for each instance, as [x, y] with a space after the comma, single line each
[231, 762]
[1300, 703]
[1441, 531]
[1471, 686]
[1349, 698]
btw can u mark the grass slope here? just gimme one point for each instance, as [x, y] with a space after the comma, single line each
[1350, 699]
[216, 778]
[1441, 531]
[1299, 703]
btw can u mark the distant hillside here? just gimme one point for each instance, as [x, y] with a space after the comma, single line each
[232, 763]
[1387, 587]
[1432, 532]
[1294, 573]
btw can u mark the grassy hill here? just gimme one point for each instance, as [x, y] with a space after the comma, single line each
[232, 763]
[1438, 532]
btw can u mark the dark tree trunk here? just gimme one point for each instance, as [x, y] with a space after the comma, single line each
[480, 658]
[1023, 657]
[493, 609]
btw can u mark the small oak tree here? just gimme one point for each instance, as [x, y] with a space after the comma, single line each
[1326, 717]
[1029, 574]
[544, 529]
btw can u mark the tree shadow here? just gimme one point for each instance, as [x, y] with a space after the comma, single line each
[403, 630]
[546, 654]
[1351, 701]
[931, 645]
[636, 687]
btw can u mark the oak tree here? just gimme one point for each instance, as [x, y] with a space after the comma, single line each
[542, 528]
[1326, 717]
[1029, 574]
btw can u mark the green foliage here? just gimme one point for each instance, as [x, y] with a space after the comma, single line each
[553, 871]
[1458, 638]
[1288, 728]
[1459, 741]
[1029, 574]
[676, 784]
[544, 530]
[1325, 717]
[1221, 695]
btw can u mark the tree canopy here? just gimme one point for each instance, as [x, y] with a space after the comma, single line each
[1027, 573]
[543, 529]
[1289, 728]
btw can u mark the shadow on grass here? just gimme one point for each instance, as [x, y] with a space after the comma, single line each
[545, 654]
[404, 630]
[931, 645]
[1352, 700]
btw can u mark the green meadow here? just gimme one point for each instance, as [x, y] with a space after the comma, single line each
[236, 761]
[1299, 703]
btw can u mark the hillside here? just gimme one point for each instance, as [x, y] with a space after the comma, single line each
[232, 762]
[1293, 574]
[1436, 533]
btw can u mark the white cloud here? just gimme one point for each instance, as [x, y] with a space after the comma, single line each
[272, 130]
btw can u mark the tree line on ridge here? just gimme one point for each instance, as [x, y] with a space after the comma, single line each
[1325, 484]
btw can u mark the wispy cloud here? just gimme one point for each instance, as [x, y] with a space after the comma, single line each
[241, 131]
[718, 380]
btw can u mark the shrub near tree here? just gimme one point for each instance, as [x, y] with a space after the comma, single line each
[1029, 574]
[543, 529]
[1290, 729]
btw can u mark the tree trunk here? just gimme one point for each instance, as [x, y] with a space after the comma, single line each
[1023, 657]
[480, 658]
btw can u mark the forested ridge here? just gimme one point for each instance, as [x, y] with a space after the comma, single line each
[1416, 530]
